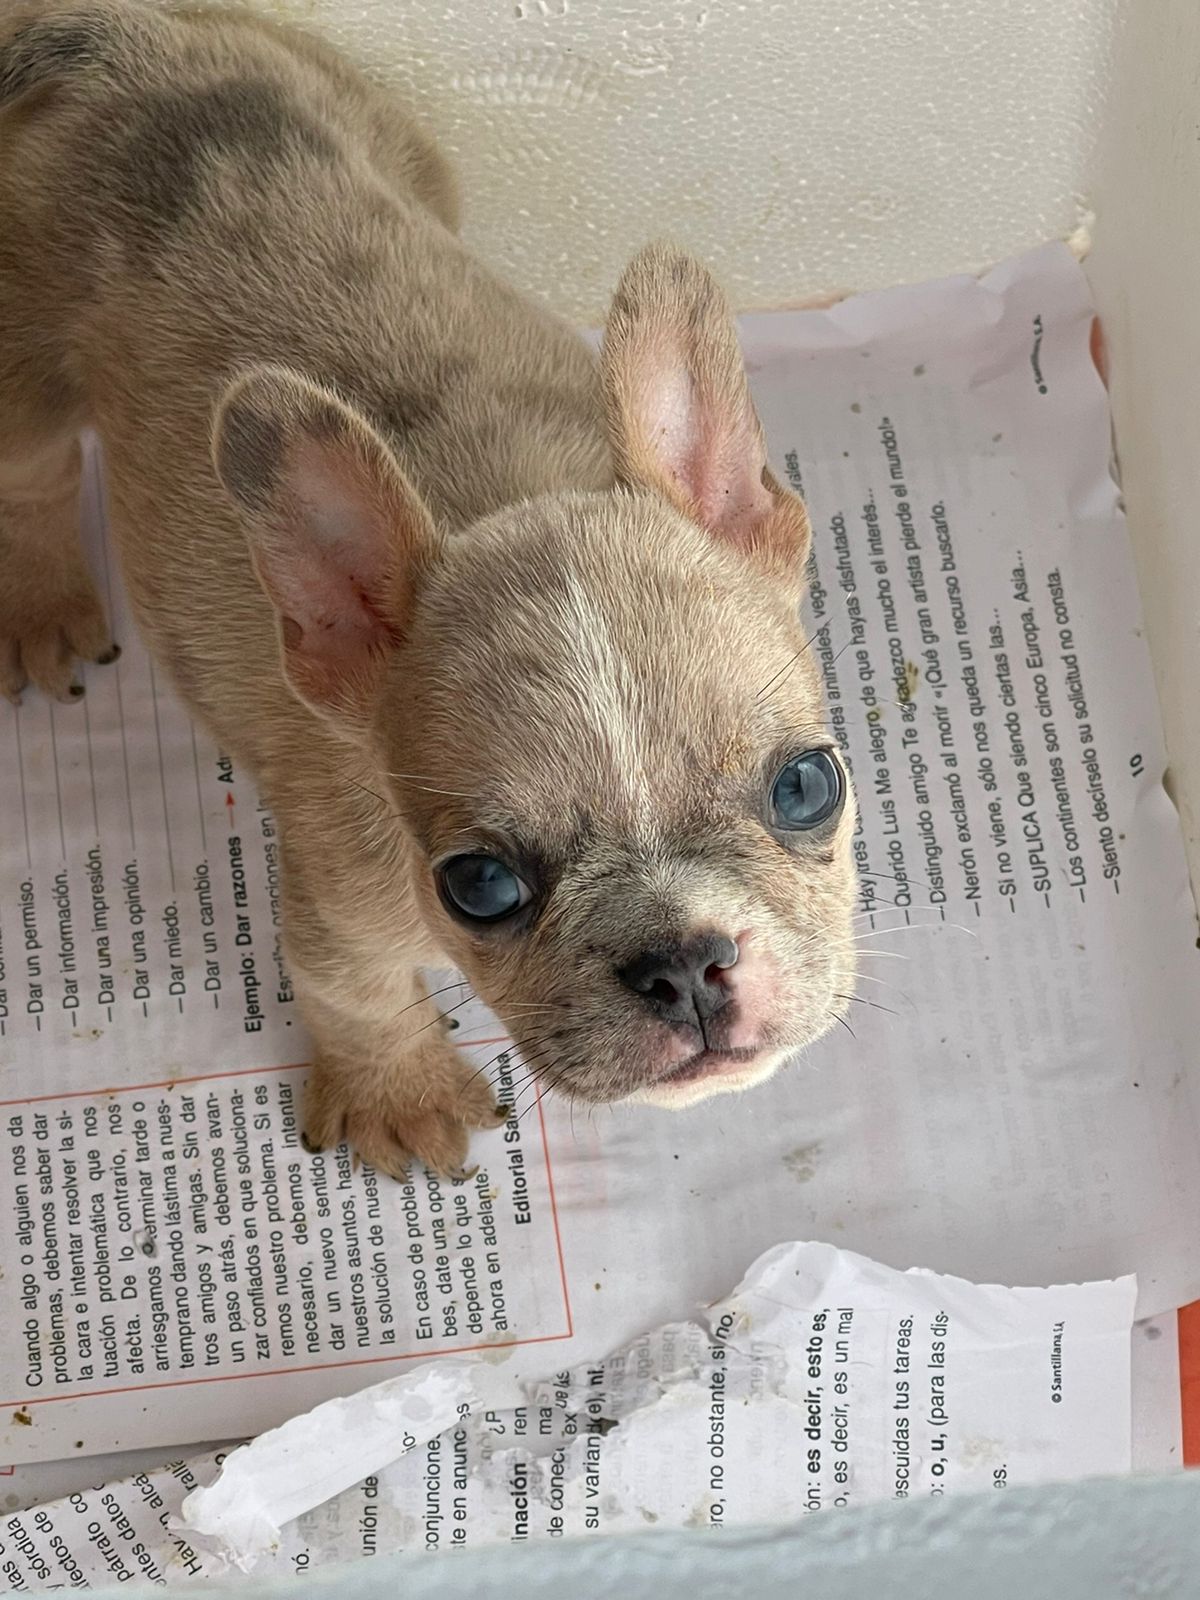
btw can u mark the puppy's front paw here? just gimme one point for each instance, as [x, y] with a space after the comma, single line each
[424, 1109]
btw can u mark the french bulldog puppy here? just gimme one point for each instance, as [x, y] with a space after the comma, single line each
[507, 635]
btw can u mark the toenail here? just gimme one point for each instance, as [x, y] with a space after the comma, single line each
[307, 1144]
[75, 691]
[109, 656]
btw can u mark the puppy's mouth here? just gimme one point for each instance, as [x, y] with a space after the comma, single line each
[704, 1064]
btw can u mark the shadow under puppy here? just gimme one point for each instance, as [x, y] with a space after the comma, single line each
[508, 637]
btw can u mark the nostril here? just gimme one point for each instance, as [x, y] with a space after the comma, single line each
[664, 992]
[724, 953]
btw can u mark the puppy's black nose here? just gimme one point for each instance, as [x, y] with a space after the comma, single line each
[685, 982]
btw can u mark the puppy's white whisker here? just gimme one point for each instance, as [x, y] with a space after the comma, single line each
[888, 908]
[429, 787]
[917, 927]
[866, 977]
[868, 875]
[858, 1000]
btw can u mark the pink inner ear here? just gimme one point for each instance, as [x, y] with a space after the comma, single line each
[329, 570]
[329, 607]
[339, 514]
[672, 415]
[714, 457]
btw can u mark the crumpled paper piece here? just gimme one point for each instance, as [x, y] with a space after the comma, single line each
[825, 1379]
[312, 1458]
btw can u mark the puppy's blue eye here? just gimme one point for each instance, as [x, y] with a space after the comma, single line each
[481, 888]
[806, 792]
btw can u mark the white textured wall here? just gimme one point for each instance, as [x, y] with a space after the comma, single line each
[801, 145]
[1145, 271]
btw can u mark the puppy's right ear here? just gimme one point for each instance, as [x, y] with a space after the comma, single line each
[338, 537]
[681, 420]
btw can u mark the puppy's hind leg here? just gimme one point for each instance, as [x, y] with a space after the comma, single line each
[49, 610]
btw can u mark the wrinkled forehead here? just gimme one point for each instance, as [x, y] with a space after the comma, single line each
[621, 673]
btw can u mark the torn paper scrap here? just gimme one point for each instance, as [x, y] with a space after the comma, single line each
[824, 1379]
[314, 1457]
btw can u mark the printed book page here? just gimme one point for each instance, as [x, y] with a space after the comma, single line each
[1010, 1101]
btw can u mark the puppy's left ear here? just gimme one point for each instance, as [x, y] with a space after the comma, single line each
[338, 536]
[681, 420]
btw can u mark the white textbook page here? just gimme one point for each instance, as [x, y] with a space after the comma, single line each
[1013, 1105]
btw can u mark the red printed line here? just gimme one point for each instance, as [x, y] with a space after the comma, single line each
[193, 1077]
[284, 1372]
[1189, 1382]
[142, 1088]
[562, 1265]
